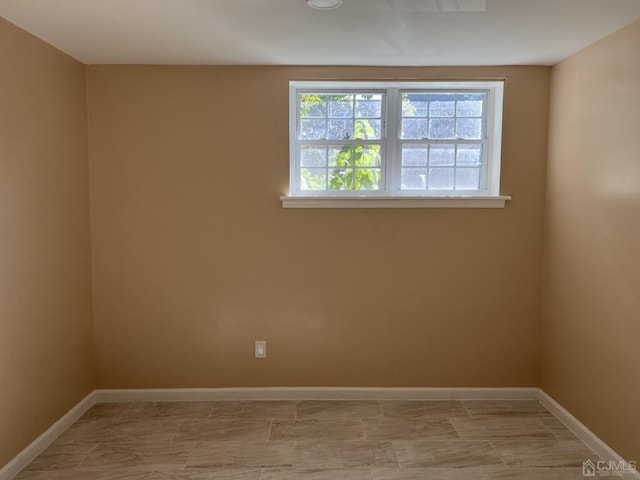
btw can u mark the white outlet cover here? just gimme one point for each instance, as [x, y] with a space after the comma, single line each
[261, 349]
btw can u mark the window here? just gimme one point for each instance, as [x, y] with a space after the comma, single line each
[395, 144]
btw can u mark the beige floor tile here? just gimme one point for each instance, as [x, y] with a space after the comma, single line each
[214, 474]
[344, 455]
[294, 474]
[255, 409]
[539, 474]
[169, 410]
[501, 427]
[150, 430]
[137, 457]
[241, 455]
[469, 473]
[338, 409]
[509, 408]
[112, 411]
[29, 475]
[424, 409]
[445, 453]
[316, 429]
[80, 475]
[558, 429]
[408, 429]
[477, 473]
[223, 429]
[61, 457]
[543, 453]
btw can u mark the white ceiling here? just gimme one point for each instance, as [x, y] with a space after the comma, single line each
[361, 32]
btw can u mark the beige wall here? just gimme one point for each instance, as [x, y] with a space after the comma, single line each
[45, 277]
[194, 257]
[591, 328]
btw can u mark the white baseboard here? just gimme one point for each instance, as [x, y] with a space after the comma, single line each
[604, 451]
[35, 448]
[15, 466]
[312, 393]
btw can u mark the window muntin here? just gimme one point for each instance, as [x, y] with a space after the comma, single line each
[424, 139]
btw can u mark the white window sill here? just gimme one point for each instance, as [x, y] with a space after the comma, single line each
[394, 202]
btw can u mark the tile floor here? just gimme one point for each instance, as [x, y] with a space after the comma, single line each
[314, 440]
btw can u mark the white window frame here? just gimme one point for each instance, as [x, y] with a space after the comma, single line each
[391, 196]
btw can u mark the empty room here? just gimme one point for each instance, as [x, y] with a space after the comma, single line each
[319, 239]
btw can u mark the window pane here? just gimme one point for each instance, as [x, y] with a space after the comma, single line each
[341, 156]
[467, 178]
[414, 128]
[368, 106]
[469, 155]
[469, 105]
[415, 104]
[313, 156]
[414, 179]
[368, 179]
[442, 155]
[368, 129]
[313, 179]
[469, 128]
[341, 178]
[442, 105]
[441, 128]
[441, 178]
[313, 129]
[354, 155]
[340, 130]
[355, 178]
[367, 156]
[313, 105]
[414, 155]
[341, 106]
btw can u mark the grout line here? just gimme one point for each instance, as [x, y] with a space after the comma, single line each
[465, 409]
[455, 429]
[269, 434]
[191, 453]
[213, 406]
[493, 447]
[85, 457]
[129, 405]
[175, 433]
[395, 453]
[384, 415]
[364, 431]
[91, 451]
[555, 437]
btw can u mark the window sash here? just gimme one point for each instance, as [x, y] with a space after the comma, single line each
[327, 143]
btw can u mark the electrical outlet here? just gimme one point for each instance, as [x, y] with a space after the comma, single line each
[261, 349]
